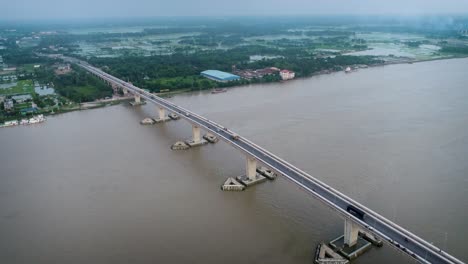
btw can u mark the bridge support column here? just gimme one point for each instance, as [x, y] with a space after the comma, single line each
[161, 115]
[115, 88]
[251, 168]
[351, 231]
[251, 176]
[196, 134]
[196, 137]
[125, 91]
[137, 100]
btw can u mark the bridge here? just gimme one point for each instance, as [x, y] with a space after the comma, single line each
[357, 217]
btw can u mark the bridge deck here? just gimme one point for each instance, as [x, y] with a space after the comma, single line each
[393, 234]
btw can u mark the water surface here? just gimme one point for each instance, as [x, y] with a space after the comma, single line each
[96, 187]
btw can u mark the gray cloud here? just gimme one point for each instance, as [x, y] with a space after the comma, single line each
[59, 9]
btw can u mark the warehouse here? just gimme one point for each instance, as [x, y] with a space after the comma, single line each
[219, 76]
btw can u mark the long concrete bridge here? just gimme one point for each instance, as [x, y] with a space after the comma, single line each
[357, 217]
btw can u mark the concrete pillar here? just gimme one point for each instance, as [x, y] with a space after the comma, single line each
[196, 134]
[125, 90]
[351, 231]
[251, 168]
[115, 88]
[137, 98]
[162, 113]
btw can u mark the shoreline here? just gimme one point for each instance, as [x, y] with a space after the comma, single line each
[401, 62]
[118, 100]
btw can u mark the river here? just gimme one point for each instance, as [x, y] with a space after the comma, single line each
[97, 187]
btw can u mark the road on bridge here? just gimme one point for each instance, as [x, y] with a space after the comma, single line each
[395, 235]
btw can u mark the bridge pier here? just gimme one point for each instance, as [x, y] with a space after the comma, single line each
[251, 176]
[161, 115]
[420, 249]
[196, 137]
[350, 244]
[196, 134]
[351, 232]
[115, 87]
[251, 168]
[137, 100]
[125, 91]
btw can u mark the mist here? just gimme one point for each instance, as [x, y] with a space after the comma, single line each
[86, 9]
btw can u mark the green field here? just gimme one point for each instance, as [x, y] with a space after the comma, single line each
[22, 106]
[22, 87]
[29, 68]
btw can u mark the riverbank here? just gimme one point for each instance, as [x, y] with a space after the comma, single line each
[81, 106]
[118, 100]
[398, 147]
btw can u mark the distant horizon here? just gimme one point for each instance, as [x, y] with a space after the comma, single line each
[227, 17]
[32, 10]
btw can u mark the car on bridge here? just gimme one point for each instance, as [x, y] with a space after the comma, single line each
[235, 136]
[355, 211]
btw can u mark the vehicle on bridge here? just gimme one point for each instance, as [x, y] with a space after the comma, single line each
[355, 211]
[398, 236]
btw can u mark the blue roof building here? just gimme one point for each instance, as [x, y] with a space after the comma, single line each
[28, 110]
[219, 76]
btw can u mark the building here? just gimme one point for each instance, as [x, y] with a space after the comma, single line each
[219, 76]
[258, 73]
[287, 75]
[8, 104]
[29, 110]
[21, 98]
[63, 69]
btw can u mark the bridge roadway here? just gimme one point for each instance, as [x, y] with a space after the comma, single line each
[391, 233]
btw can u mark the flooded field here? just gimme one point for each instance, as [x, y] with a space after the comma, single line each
[382, 44]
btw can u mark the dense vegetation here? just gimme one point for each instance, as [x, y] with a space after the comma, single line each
[80, 86]
[455, 49]
[181, 70]
[306, 45]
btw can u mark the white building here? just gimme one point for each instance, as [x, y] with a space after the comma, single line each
[22, 98]
[287, 75]
[8, 104]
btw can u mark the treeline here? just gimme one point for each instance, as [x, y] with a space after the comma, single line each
[212, 40]
[182, 70]
[308, 66]
[18, 56]
[455, 49]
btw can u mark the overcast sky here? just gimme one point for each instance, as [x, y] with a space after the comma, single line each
[59, 9]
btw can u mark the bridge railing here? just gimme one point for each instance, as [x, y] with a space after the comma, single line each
[345, 198]
[357, 204]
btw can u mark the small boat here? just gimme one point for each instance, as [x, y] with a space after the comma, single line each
[348, 69]
[37, 119]
[11, 123]
[173, 116]
[24, 122]
[215, 91]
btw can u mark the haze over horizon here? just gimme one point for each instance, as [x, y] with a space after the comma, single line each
[85, 9]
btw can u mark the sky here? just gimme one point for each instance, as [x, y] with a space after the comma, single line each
[76, 9]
